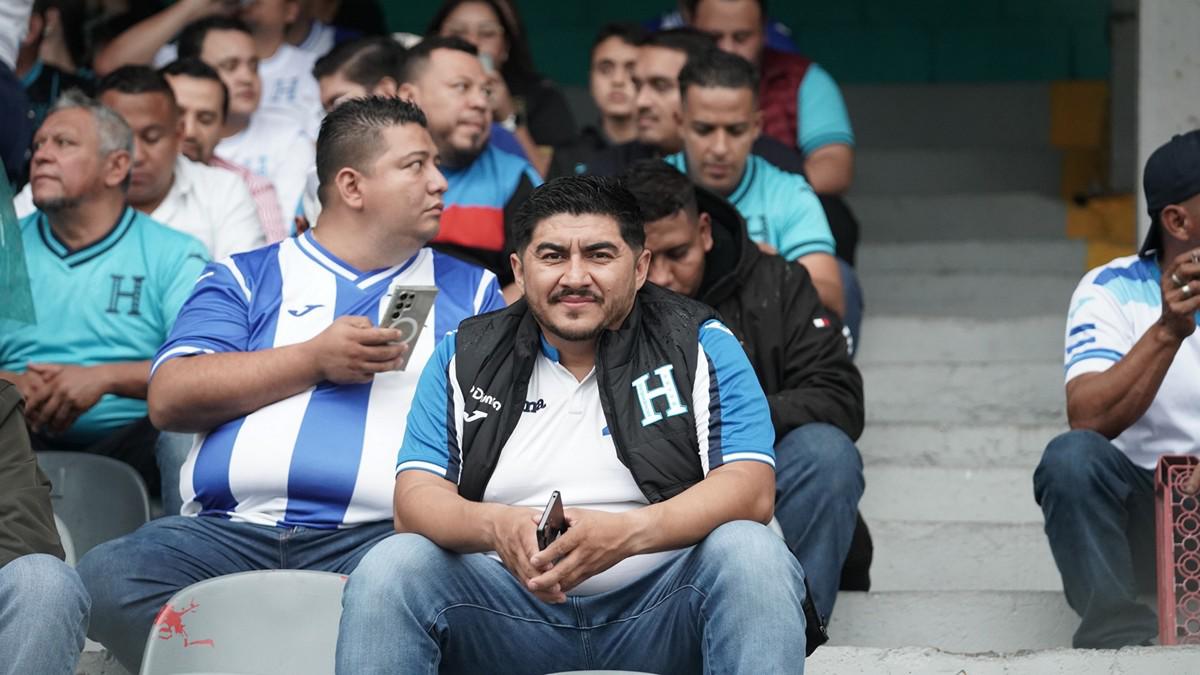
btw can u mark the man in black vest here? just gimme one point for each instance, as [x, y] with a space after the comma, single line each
[641, 409]
[798, 348]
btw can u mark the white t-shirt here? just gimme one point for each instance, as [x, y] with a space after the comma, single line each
[320, 39]
[277, 149]
[210, 204]
[14, 21]
[1113, 306]
[289, 88]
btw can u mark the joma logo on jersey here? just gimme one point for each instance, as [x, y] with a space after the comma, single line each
[119, 294]
[534, 406]
[485, 398]
[666, 389]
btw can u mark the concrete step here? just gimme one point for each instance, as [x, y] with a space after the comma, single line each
[972, 296]
[921, 170]
[1129, 661]
[950, 115]
[938, 494]
[1030, 256]
[962, 556]
[957, 621]
[965, 394]
[897, 339]
[959, 446]
[959, 217]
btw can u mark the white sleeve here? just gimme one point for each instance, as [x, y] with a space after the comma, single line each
[23, 202]
[238, 226]
[1098, 332]
[291, 175]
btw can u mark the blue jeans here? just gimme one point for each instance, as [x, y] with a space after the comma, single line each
[43, 616]
[1099, 510]
[852, 296]
[131, 578]
[171, 452]
[730, 604]
[818, 483]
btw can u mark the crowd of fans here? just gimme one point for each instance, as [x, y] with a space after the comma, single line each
[218, 202]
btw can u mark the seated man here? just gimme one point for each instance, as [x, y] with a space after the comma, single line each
[1132, 356]
[700, 249]
[203, 102]
[107, 282]
[445, 77]
[274, 147]
[802, 106]
[278, 365]
[637, 405]
[614, 55]
[43, 605]
[720, 121]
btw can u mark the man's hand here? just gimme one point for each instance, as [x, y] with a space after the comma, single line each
[352, 351]
[596, 541]
[515, 538]
[66, 393]
[1181, 295]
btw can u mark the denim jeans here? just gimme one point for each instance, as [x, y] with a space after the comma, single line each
[43, 616]
[818, 483]
[131, 578]
[730, 604]
[852, 296]
[1099, 510]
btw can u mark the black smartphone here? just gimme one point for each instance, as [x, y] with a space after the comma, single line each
[553, 523]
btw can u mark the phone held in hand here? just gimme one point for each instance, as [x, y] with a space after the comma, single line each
[553, 522]
[407, 310]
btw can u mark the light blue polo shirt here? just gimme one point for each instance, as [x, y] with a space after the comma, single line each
[110, 302]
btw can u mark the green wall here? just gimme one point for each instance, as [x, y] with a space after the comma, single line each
[857, 40]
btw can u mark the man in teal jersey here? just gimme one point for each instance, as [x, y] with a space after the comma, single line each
[719, 121]
[107, 282]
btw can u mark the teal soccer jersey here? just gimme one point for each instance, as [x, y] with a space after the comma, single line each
[780, 208]
[109, 302]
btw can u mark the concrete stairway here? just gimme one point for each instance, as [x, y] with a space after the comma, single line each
[967, 276]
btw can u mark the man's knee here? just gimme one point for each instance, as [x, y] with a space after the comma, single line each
[44, 584]
[400, 558]
[825, 450]
[750, 550]
[1072, 463]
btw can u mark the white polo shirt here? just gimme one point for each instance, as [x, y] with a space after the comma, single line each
[1112, 308]
[210, 204]
[277, 149]
[562, 441]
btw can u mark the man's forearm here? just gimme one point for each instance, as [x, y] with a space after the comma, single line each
[830, 169]
[1111, 401]
[437, 512]
[196, 393]
[139, 43]
[127, 379]
[739, 491]
[827, 278]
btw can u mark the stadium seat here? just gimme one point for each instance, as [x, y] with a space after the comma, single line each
[68, 544]
[275, 621]
[98, 498]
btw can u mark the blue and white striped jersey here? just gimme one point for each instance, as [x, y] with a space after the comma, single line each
[1112, 308]
[322, 458]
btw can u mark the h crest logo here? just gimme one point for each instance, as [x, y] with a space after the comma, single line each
[666, 388]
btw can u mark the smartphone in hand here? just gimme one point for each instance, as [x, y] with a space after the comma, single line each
[552, 523]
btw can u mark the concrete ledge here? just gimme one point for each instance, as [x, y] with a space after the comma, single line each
[973, 296]
[962, 621]
[965, 394]
[1129, 661]
[896, 340]
[1046, 256]
[915, 171]
[959, 217]
[936, 494]
[956, 445]
[961, 556]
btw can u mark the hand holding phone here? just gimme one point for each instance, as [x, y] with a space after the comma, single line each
[553, 522]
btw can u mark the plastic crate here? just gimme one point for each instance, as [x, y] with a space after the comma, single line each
[1178, 551]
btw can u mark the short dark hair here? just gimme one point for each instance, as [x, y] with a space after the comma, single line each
[191, 39]
[194, 67]
[660, 189]
[688, 40]
[717, 68]
[629, 33]
[365, 61]
[351, 135]
[579, 195]
[135, 80]
[418, 57]
[690, 6]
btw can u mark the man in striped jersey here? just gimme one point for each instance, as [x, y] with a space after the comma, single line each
[642, 410]
[278, 365]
